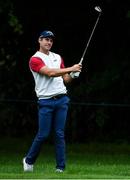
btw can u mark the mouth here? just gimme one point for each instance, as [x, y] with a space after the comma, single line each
[48, 46]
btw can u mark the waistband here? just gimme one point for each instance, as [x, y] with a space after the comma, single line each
[58, 96]
[52, 97]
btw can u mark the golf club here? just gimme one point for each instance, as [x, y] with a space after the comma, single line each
[98, 9]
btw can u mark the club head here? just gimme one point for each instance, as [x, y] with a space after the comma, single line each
[97, 8]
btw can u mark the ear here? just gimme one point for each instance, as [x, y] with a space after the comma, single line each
[39, 39]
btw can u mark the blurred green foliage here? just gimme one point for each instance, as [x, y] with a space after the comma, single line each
[104, 79]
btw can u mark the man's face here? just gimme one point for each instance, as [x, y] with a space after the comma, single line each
[46, 43]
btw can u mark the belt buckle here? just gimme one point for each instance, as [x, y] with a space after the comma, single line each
[58, 96]
[54, 97]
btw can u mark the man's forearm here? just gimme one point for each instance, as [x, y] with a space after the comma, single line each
[52, 72]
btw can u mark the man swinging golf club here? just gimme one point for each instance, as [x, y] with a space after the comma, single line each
[50, 76]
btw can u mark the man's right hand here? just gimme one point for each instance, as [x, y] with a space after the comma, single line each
[77, 68]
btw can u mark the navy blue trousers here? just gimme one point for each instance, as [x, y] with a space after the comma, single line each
[50, 111]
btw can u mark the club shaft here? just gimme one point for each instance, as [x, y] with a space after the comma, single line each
[81, 60]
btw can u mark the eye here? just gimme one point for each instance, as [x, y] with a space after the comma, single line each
[49, 39]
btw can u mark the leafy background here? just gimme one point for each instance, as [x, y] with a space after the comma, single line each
[99, 108]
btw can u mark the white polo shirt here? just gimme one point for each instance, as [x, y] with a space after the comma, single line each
[47, 87]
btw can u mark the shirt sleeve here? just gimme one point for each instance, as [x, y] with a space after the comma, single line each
[62, 63]
[36, 64]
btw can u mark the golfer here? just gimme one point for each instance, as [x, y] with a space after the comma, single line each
[50, 77]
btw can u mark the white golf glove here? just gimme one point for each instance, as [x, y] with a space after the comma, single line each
[74, 74]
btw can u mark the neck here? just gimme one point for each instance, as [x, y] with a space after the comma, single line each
[44, 51]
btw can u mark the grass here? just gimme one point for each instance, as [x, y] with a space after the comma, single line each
[84, 161]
